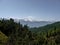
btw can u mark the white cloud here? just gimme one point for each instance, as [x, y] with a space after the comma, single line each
[29, 18]
[32, 18]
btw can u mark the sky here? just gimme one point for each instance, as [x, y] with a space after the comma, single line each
[40, 10]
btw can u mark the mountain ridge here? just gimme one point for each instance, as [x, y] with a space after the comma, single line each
[33, 23]
[47, 27]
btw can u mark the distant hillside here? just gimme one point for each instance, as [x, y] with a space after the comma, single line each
[47, 27]
[33, 23]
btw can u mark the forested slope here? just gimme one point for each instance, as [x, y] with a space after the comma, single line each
[17, 34]
[46, 28]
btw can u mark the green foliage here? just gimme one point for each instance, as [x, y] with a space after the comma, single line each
[3, 38]
[46, 28]
[12, 33]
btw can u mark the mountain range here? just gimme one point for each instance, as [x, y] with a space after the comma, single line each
[33, 23]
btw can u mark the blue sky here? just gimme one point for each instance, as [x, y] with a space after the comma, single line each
[45, 10]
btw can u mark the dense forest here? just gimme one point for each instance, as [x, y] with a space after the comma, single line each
[13, 33]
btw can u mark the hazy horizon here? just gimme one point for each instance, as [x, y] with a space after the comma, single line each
[39, 10]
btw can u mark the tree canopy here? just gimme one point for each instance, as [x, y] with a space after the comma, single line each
[18, 34]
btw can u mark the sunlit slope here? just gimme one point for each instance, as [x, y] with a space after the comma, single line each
[3, 38]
